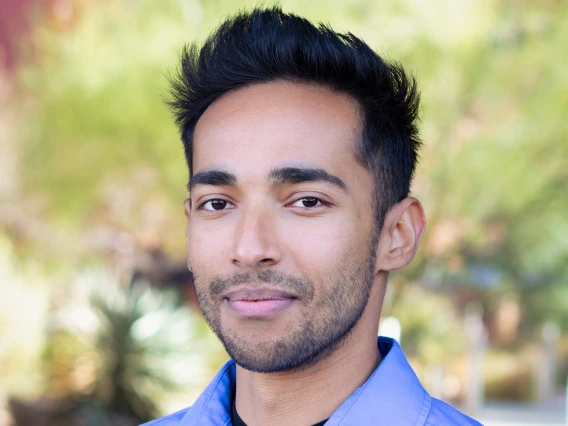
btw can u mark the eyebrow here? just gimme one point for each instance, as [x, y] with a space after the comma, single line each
[294, 175]
[212, 177]
[280, 176]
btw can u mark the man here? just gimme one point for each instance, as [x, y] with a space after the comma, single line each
[301, 145]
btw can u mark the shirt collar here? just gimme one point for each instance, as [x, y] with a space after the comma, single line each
[213, 407]
[392, 395]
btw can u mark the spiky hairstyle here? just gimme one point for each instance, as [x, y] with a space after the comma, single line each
[266, 45]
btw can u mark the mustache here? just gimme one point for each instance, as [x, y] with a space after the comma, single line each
[278, 280]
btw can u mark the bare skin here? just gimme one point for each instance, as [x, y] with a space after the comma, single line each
[307, 397]
[266, 226]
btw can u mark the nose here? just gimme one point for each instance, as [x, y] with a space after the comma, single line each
[256, 244]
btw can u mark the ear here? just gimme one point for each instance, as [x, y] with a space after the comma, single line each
[402, 231]
[187, 207]
[187, 210]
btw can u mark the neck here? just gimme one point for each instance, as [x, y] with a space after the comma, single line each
[310, 395]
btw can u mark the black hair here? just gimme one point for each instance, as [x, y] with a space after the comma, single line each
[265, 45]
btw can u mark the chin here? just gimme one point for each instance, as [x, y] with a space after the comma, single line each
[285, 354]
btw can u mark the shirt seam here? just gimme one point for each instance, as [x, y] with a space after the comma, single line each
[425, 410]
[359, 391]
[220, 376]
[166, 418]
[155, 422]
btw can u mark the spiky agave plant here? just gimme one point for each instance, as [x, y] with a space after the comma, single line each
[146, 345]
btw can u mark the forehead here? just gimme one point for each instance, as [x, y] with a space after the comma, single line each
[257, 128]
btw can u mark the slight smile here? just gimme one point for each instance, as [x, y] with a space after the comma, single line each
[258, 302]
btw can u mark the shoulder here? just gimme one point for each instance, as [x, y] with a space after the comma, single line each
[443, 414]
[170, 420]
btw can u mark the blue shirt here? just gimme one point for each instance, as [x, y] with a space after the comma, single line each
[391, 396]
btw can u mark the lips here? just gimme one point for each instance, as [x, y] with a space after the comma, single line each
[258, 302]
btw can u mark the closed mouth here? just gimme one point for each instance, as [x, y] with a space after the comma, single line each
[257, 303]
[248, 294]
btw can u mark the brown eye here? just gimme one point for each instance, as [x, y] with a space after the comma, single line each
[218, 204]
[308, 202]
[215, 205]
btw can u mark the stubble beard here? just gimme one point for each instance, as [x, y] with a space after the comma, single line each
[318, 333]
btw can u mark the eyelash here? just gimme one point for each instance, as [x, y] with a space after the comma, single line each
[202, 205]
[319, 203]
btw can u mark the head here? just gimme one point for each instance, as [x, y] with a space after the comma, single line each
[301, 144]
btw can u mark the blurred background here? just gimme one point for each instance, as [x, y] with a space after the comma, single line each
[98, 320]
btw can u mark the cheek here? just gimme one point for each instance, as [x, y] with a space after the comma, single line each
[322, 246]
[206, 247]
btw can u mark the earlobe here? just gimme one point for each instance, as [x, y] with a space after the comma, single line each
[402, 231]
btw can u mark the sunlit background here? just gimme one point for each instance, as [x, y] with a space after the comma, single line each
[98, 321]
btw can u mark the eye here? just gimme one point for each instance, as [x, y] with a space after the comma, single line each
[308, 202]
[216, 204]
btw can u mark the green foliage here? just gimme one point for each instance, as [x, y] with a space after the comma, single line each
[99, 131]
[24, 306]
[125, 350]
[431, 330]
[101, 150]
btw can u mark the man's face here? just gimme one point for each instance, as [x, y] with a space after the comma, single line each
[280, 234]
